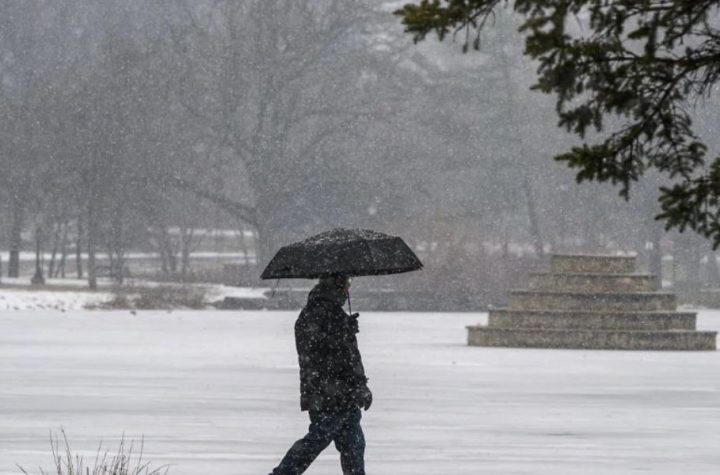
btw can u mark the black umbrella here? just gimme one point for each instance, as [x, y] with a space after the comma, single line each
[352, 252]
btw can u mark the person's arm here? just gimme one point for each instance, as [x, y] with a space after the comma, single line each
[310, 339]
[362, 395]
[347, 361]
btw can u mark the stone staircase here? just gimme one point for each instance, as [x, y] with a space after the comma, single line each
[592, 302]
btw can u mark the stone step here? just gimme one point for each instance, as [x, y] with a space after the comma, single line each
[672, 340]
[580, 264]
[551, 319]
[588, 282]
[593, 302]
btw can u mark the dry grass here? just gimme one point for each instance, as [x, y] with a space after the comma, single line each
[156, 298]
[124, 461]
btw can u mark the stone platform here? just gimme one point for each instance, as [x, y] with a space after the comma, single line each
[592, 302]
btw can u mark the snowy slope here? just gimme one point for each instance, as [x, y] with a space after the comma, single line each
[216, 393]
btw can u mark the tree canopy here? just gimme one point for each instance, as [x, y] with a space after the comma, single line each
[635, 68]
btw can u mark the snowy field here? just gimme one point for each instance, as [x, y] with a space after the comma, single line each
[217, 393]
[72, 294]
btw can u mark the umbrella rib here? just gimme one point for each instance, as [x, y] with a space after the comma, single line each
[372, 258]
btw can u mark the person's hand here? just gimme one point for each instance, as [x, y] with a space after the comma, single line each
[354, 326]
[365, 398]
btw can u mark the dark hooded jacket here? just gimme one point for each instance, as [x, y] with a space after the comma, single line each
[331, 370]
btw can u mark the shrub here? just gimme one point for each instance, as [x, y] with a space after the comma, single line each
[123, 462]
[156, 298]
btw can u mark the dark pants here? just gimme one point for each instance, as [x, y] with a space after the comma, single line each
[341, 427]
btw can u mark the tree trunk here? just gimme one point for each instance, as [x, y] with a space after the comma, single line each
[38, 278]
[686, 263]
[186, 236]
[713, 271]
[111, 263]
[163, 260]
[92, 230]
[172, 258]
[60, 271]
[117, 246]
[18, 212]
[185, 262]
[534, 225]
[78, 248]
[244, 246]
[267, 242]
[167, 253]
[655, 255]
[532, 216]
[54, 251]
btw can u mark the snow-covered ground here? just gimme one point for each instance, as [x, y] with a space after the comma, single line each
[217, 393]
[29, 299]
[72, 294]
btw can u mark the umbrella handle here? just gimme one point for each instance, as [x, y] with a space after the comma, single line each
[349, 304]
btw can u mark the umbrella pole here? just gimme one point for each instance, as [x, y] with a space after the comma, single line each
[349, 304]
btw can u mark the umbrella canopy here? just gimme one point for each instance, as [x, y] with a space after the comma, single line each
[353, 252]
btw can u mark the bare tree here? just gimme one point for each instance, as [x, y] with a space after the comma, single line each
[278, 82]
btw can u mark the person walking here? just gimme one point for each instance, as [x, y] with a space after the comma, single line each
[333, 386]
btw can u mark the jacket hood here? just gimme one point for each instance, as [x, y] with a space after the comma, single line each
[327, 292]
